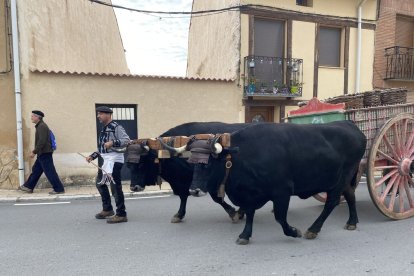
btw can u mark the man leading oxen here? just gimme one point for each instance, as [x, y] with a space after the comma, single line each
[175, 170]
[272, 162]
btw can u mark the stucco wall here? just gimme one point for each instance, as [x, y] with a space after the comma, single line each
[74, 36]
[162, 104]
[213, 41]
[7, 103]
[367, 59]
[303, 33]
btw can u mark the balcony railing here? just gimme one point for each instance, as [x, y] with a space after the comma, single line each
[400, 63]
[273, 76]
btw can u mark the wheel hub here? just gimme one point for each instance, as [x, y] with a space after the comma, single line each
[405, 166]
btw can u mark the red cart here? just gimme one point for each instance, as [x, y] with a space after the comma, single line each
[388, 159]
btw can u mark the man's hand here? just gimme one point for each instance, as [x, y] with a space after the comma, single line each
[32, 155]
[109, 144]
[89, 159]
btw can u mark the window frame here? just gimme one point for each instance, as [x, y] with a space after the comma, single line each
[341, 51]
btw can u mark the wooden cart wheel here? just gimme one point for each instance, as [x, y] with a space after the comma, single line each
[390, 164]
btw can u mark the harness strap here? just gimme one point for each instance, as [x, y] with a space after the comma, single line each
[159, 180]
[221, 191]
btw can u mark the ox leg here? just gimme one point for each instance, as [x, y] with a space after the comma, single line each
[248, 228]
[178, 217]
[349, 195]
[280, 207]
[332, 201]
[233, 214]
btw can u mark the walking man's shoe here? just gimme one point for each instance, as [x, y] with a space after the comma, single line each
[25, 189]
[104, 214]
[56, 193]
[117, 219]
[136, 188]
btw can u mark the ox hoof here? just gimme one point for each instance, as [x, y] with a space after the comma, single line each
[241, 241]
[241, 214]
[350, 227]
[176, 219]
[310, 235]
[298, 233]
[197, 192]
[235, 218]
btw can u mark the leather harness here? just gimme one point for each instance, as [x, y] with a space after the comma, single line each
[221, 191]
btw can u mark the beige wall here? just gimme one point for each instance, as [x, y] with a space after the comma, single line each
[213, 41]
[74, 36]
[162, 104]
[342, 8]
[303, 47]
[367, 60]
[7, 103]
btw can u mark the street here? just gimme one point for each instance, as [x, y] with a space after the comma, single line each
[65, 239]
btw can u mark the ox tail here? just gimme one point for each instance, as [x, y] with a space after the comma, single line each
[357, 176]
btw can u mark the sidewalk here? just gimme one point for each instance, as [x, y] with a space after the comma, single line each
[77, 192]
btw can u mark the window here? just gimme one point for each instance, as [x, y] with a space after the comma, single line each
[306, 3]
[330, 47]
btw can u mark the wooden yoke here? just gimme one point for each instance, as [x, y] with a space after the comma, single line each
[180, 141]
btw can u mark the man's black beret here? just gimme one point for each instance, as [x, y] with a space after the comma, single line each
[38, 113]
[104, 109]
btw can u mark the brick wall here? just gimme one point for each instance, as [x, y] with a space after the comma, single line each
[385, 36]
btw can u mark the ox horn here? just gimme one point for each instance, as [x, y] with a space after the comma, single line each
[215, 146]
[176, 150]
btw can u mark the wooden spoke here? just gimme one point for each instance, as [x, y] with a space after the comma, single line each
[386, 167]
[404, 133]
[386, 156]
[397, 141]
[408, 193]
[390, 147]
[384, 178]
[394, 194]
[410, 140]
[388, 188]
[401, 197]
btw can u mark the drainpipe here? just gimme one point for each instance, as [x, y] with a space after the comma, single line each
[16, 60]
[359, 47]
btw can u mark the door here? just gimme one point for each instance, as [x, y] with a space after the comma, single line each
[259, 114]
[126, 116]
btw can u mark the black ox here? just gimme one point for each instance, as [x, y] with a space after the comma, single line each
[176, 170]
[272, 162]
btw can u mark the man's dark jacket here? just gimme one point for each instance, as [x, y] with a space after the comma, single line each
[42, 139]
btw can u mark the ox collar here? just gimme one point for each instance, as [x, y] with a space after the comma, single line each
[221, 191]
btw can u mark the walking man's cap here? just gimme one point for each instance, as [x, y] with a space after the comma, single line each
[104, 109]
[38, 113]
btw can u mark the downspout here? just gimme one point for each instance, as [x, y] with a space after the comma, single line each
[16, 60]
[359, 47]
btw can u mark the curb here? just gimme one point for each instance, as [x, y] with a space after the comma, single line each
[48, 198]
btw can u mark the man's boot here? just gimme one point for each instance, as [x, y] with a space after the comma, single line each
[117, 219]
[104, 214]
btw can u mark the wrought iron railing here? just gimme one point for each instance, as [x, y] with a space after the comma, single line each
[273, 76]
[400, 63]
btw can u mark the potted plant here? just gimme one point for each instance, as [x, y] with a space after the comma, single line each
[284, 89]
[275, 87]
[296, 87]
[251, 87]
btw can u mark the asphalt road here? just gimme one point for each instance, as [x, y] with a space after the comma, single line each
[65, 239]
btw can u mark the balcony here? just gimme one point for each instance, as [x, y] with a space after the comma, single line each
[272, 77]
[400, 63]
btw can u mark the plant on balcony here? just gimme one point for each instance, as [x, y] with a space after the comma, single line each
[284, 89]
[275, 87]
[296, 88]
[251, 87]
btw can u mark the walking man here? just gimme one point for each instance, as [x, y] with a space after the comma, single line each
[44, 161]
[112, 136]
